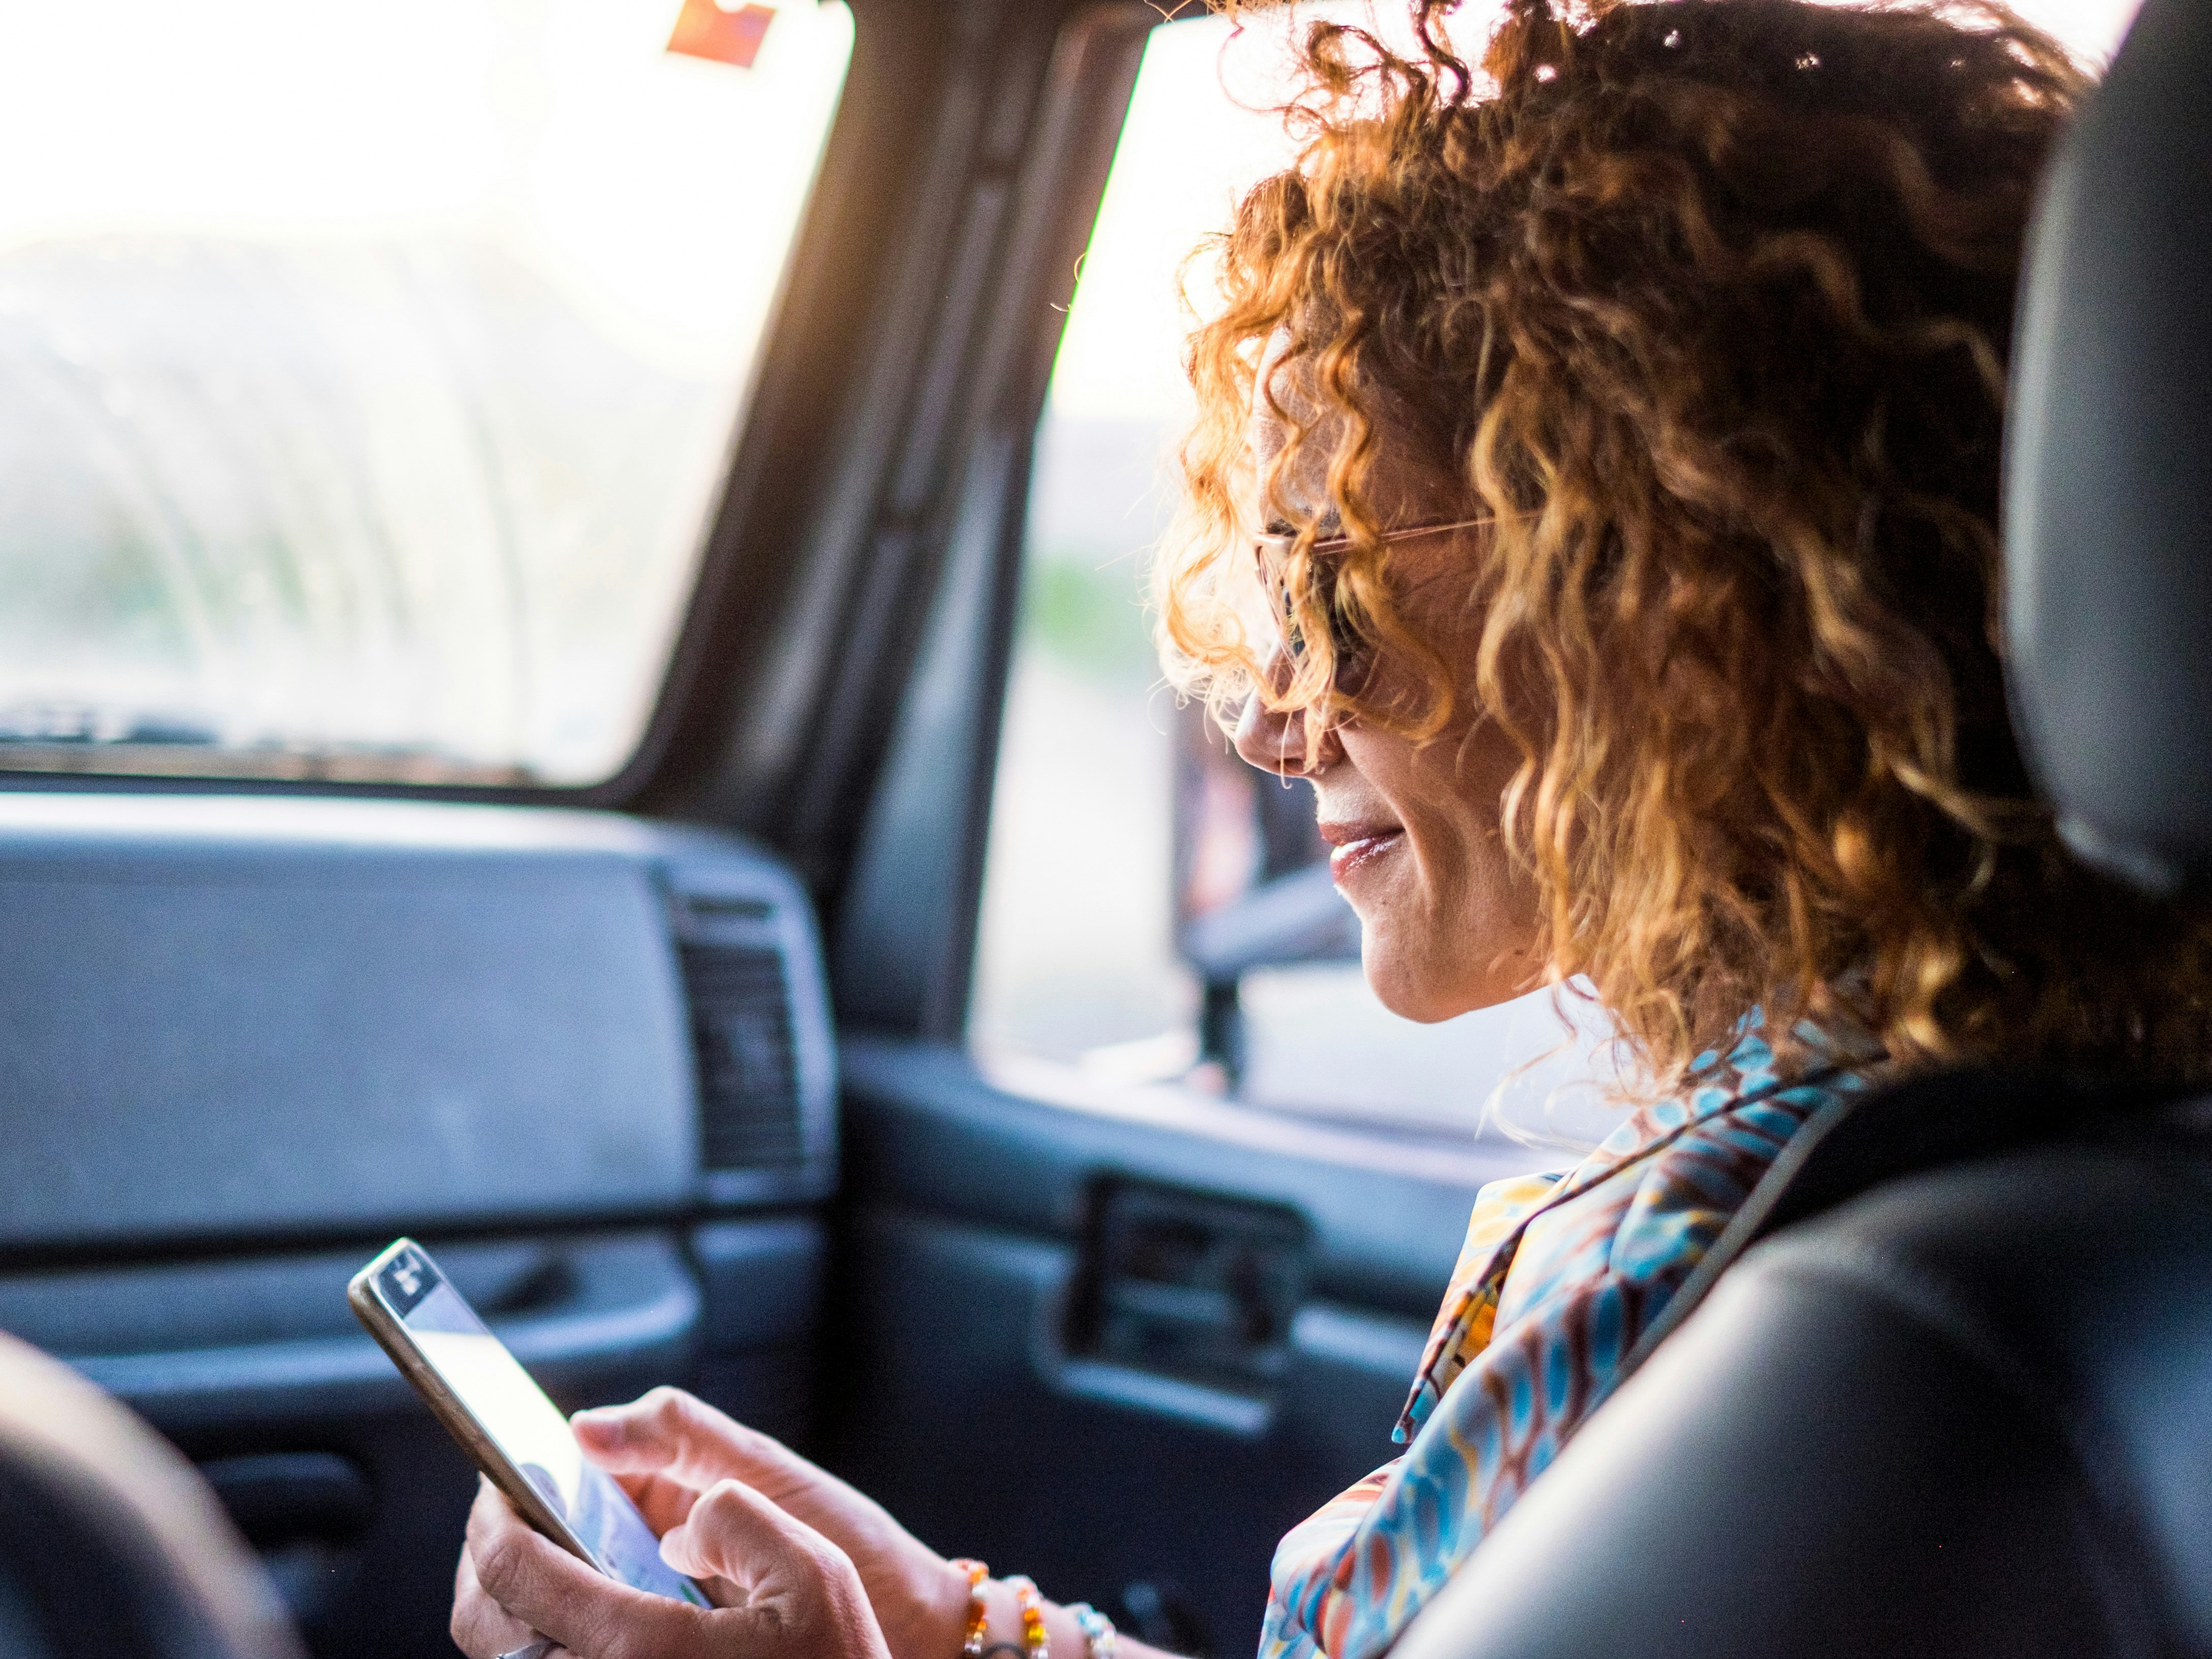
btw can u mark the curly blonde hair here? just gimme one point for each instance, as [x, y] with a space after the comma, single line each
[1709, 302]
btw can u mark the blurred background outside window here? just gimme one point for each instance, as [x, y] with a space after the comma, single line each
[371, 370]
[1154, 910]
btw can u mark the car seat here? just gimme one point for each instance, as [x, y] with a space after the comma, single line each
[1945, 1388]
[110, 1544]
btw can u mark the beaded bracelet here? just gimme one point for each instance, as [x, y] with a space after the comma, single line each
[1099, 1636]
[1034, 1638]
[979, 1609]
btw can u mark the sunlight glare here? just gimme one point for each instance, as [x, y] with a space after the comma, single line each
[1200, 133]
[597, 157]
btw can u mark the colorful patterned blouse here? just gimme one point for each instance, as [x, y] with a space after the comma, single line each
[1559, 1277]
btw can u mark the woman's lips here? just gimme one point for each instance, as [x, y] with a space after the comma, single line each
[1359, 847]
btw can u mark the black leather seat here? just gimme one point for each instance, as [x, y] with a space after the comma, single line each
[110, 1544]
[1968, 1413]
[1966, 1410]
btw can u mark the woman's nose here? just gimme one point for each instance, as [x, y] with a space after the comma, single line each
[1272, 740]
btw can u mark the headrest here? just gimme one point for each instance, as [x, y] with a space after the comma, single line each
[109, 1542]
[2109, 484]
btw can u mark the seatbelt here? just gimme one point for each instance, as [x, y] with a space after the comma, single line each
[1857, 1142]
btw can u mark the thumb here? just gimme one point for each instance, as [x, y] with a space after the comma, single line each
[733, 1532]
[801, 1593]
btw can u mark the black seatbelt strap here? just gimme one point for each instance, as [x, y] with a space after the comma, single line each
[1857, 1142]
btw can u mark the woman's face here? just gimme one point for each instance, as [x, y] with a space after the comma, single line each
[1448, 923]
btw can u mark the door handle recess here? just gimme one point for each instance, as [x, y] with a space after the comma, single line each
[304, 1513]
[1183, 1303]
[278, 1497]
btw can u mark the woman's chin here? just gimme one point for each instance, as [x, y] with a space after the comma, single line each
[1400, 985]
[1424, 987]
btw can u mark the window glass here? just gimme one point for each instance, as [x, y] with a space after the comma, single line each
[2090, 28]
[1123, 832]
[1121, 819]
[370, 369]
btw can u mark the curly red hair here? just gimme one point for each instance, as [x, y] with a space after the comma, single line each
[1709, 301]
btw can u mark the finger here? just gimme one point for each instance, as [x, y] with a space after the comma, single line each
[735, 1534]
[682, 1438]
[480, 1627]
[799, 1588]
[552, 1593]
[690, 1443]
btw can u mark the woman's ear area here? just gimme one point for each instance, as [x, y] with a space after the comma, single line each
[1291, 436]
[1266, 429]
[1268, 432]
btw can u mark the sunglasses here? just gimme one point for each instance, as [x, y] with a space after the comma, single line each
[1272, 553]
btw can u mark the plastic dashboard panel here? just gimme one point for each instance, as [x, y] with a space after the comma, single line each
[255, 1016]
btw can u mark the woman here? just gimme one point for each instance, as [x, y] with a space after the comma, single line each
[1595, 496]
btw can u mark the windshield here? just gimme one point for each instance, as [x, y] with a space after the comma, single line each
[367, 372]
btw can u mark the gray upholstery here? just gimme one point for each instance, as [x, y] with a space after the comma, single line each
[110, 1544]
[2109, 492]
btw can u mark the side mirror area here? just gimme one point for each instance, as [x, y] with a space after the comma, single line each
[1252, 886]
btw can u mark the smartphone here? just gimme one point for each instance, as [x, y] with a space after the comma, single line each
[503, 1420]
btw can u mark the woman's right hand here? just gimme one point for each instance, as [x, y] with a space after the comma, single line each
[775, 1588]
[669, 1447]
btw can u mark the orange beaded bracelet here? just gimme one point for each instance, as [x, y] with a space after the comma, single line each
[979, 1609]
[1034, 1638]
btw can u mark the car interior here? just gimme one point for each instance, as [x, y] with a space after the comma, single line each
[599, 858]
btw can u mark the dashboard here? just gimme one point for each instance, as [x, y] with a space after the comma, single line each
[246, 1040]
[265, 1016]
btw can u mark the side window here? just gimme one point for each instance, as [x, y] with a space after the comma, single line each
[371, 369]
[1153, 909]
[2091, 29]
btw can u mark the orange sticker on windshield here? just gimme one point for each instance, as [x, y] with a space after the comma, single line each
[705, 29]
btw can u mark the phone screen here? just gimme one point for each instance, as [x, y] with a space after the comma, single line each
[525, 1425]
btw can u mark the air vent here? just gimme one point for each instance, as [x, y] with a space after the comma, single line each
[749, 1117]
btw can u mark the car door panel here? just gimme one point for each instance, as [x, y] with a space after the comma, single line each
[925, 1121]
[1123, 1340]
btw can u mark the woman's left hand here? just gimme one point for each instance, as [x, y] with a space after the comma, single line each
[780, 1588]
